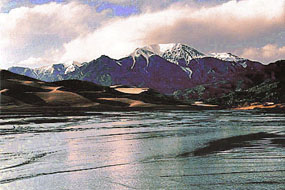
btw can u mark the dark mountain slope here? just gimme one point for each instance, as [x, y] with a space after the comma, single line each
[270, 90]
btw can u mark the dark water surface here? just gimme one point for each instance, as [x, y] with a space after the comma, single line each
[143, 150]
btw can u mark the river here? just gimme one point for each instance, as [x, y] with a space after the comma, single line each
[142, 150]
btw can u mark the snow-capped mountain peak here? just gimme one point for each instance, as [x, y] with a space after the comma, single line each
[172, 52]
[181, 51]
[60, 67]
[230, 57]
[227, 57]
[71, 66]
[159, 49]
[178, 53]
[44, 69]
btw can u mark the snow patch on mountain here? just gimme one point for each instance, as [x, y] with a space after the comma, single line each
[44, 69]
[71, 66]
[120, 64]
[164, 47]
[230, 57]
[159, 49]
[61, 67]
[187, 70]
[145, 52]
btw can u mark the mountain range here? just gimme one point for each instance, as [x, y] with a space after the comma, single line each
[178, 70]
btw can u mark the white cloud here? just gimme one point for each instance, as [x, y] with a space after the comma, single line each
[50, 57]
[269, 53]
[78, 33]
[222, 27]
[34, 62]
[31, 31]
[3, 3]
[118, 37]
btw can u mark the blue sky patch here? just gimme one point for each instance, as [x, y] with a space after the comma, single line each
[118, 10]
[38, 2]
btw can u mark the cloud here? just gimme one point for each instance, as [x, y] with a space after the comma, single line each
[224, 27]
[3, 3]
[117, 38]
[31, 31]
[34, 62]
[269, 53]
[78, 33]
[49, 57]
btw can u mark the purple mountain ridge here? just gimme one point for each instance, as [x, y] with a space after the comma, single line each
[173, 69]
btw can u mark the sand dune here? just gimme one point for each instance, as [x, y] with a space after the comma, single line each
[132, 90]
[25, 92]
[260, 106]
[203, 104]
[132, 103]
[57, 97]
[3, 90]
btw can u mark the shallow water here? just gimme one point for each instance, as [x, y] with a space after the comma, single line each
[140, 150]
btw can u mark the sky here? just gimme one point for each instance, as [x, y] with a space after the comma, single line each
[35, 33]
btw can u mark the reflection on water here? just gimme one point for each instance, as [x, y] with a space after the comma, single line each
[143, 150]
